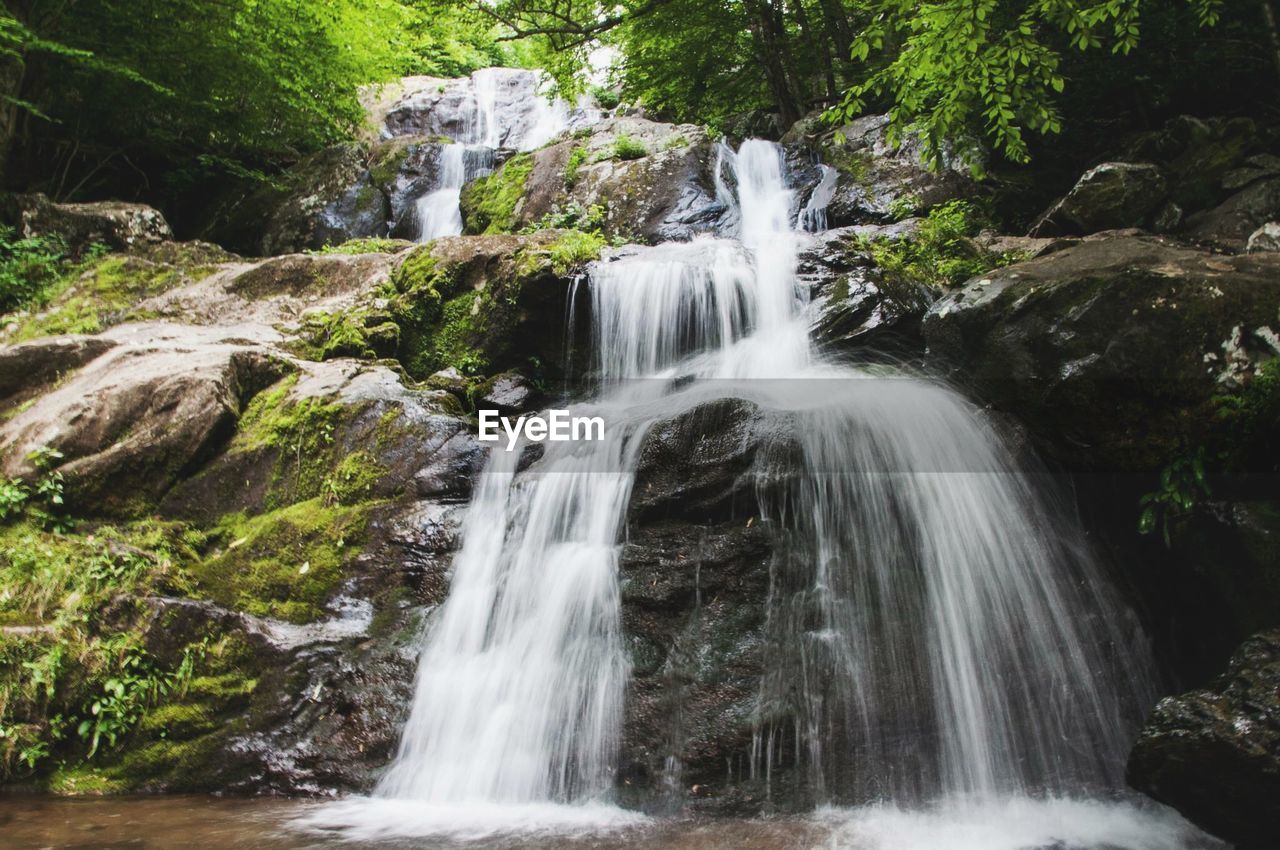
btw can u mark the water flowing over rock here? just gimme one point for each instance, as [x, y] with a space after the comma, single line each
[1003, 664]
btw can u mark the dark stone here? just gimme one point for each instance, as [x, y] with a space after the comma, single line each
[1229, 225]
[1114, 350]
[1107, 197]
[1214, 754]
[121, 226]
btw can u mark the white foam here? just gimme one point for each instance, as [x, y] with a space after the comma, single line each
[1014, 823]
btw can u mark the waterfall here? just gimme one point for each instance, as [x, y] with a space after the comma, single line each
[501, 108]
[936, 631]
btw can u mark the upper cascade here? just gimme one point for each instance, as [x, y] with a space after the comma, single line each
[499, 108]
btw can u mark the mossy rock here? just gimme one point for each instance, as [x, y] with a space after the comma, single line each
[489, 203]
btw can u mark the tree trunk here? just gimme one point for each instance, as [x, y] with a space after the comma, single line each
[1273, 31]
[12, 72]
[771, 52]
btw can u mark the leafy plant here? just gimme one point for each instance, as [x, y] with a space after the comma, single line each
[940, 253]
[626, 148]
[607, 98]
[577, 158]
[41, 499]
[1182, 484]
[28, 268]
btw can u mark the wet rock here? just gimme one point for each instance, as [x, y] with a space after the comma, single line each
[1214, 754]
[327, 199]
[1265, 238]
[122, 226]
[1199, 156]
[857, 306]
[508, 393]
[1109, 196]
[452, 468]
[693, 614]
[650, 181]
[1111, 351]
[881, 183]
[698, 465]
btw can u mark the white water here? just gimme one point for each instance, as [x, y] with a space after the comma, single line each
[937, 637]
[489, 120]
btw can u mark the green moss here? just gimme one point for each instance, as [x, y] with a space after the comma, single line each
[386, 163]
[285, 564]
[361, 333]
[489, 203]
[366, 246]
[574, 250]
[626, 148]
[105, 295]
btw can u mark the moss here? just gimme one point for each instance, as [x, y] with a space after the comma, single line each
[626, 148]
[489, 203]
[366, 246]
[386, 163]
[361, 333]
[105, 295]
[574, 250]
[577, 158]
[285, 564]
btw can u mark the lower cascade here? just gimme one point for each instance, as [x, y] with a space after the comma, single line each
[941, 648]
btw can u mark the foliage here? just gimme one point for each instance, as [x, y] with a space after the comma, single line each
[626, 148]
[1182, 484]
[489, 203]
[28, 267]
[940, 253]
[574, 250]
[40, 500]
[578, 157]
[961, 72]
[607, 98]
[366, 246]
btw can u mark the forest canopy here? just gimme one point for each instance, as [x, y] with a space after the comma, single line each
[157, 98]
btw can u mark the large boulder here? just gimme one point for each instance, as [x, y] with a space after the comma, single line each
[116, 224]
[630, 177]
[1113, 350]
[1230, 225]
[1106, 197]
[1214, 754]
[879, 182]
[326, 199]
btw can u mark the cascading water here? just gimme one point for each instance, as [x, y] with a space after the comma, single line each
[934, 633]
[491, 118]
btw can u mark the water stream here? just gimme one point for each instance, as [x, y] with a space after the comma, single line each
[943, 650]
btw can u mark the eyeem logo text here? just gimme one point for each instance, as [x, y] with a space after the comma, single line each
[554, 425]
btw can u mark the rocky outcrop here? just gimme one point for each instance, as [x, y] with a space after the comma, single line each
[1214, 754]
[880, 183]
[1112, 351]
[630, 177]
[1107, 197]
[1265, 238]
[326, 199]
[118, 225]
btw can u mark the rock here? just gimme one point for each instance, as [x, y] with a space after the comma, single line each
[662, 187]
[1107, 197]
[1214, 754]
[698, 464]
[451, 108]
[119, 225]
[136, 419]
[854, 304]
[405, 169]
[509, 393]
[1111, 351]
[1230, 225]
[485, 304]
[1196, 155]
[327, 199]
[30, 368]
[1265, 238]
[881, 183]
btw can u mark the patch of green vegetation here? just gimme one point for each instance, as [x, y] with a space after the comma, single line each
[626, 148]
[28, 268]
[574, 250]
[285, 564]
[366, 246]
[577, 158]
[360, 333]
[76, 677]
[941, 252]
[571, 216]
[606, 97]
[489, 203]
[103, 295]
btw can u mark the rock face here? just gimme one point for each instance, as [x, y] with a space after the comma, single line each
[1111, 351]
[1265, 238]
[1214, 754]
[630, 177]
[1107, 197]
[118, 225]
[879, 183]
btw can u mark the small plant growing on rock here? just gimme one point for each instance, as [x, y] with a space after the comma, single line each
[626, 148]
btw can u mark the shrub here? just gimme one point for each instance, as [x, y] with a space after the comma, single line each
[627, 148]
[28, 267]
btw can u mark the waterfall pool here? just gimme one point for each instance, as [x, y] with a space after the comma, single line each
[211, 823]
